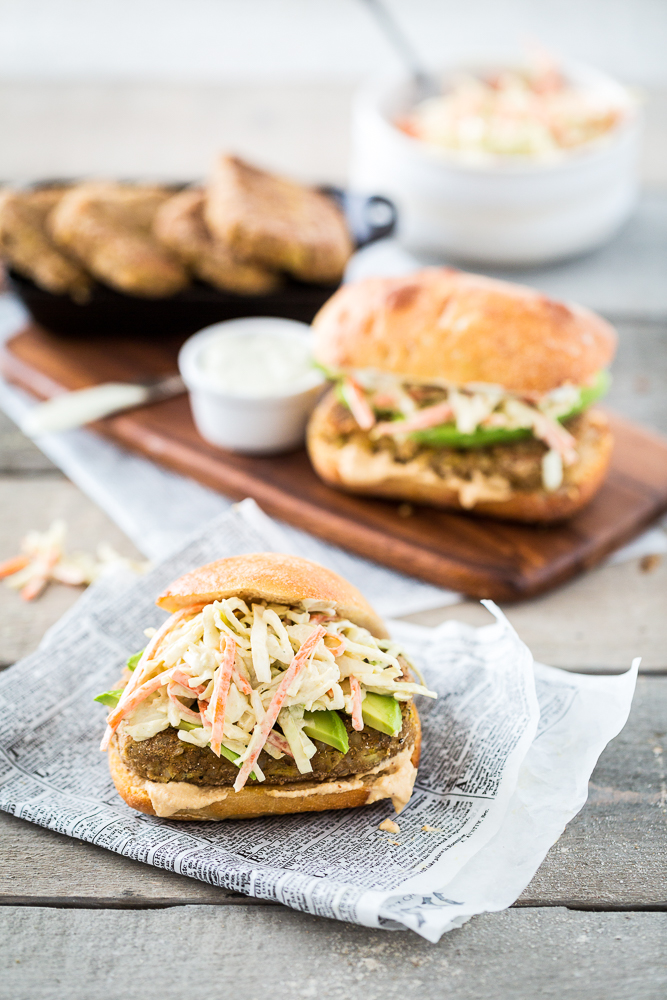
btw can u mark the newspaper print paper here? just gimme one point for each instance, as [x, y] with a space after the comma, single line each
[482, 769]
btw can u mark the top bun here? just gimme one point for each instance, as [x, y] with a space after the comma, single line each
[439, 323]
[273, 577]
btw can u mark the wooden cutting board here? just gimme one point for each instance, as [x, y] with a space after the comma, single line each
[479, 556]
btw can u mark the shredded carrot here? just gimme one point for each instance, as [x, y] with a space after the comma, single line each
[194, 716]
[556, 436]
[355, 688]
[152, 646]
[133, 683]
[11, 566]
[339, 648]
[184, 681]
[430, 416]
[34, 588]
[42, 567]
[297, 666]
[221, 684]
[358, 404]
[122, 709]
[242, 684]
[279, 742]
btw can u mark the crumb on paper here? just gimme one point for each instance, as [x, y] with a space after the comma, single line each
[43, 560]
[396, 843]
[648, 564]
[389, 826]
[430, 829]
[405, 510]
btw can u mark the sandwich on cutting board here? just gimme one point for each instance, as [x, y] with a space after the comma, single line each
[464, 392]
[273, 687]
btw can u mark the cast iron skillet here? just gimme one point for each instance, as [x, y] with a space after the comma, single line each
[111, 313]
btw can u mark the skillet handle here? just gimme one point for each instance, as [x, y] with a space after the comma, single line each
[380, 216]
[369, 217]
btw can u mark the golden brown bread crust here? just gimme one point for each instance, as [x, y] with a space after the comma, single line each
[107, 227]
[274, 222]
[351, 466]
[179, 224]
[27, 246]
[256, 800]
[273, 577]
[439, 323]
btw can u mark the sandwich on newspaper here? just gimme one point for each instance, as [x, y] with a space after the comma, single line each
[272, 688]
[464, 392]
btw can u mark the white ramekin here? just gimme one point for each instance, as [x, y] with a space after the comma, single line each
[254, 425]
[500, 211]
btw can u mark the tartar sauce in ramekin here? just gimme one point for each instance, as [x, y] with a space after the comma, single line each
[257, 364]
[252, 383]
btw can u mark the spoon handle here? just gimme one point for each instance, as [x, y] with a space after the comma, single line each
[400, 42]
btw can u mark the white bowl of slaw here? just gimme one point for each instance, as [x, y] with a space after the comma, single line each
[498, 209]
[252, 383]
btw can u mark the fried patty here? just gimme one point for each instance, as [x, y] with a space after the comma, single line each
[179, 224]
[27, 246]
[518, 462]
[107, 228]
[276, 223]
[165, 757]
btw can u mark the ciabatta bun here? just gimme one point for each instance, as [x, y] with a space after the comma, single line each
[273, 577]
[439, 323]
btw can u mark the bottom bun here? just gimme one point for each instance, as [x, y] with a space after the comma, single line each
[351, 462]
[393, 780]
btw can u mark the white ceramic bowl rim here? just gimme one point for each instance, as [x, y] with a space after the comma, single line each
[379, 94]
[196, 377]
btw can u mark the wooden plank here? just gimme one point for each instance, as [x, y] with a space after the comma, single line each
[478, 556]
[613, 852]
[253, 952]
[39, 867]
[611, 855]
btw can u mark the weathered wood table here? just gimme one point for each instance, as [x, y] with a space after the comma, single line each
[81, 923]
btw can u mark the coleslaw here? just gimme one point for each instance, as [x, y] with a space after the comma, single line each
[439, 414]
[533, 112]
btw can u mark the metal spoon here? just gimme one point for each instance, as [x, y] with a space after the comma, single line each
[425, 84]
[74, 409]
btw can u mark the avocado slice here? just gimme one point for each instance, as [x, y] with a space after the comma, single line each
[382, 712]
[327, 727]
[134, 659]
[340, 395]
[187, 726]
[230, 755]
[328, 373]
[447, 436]
[110, 698]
